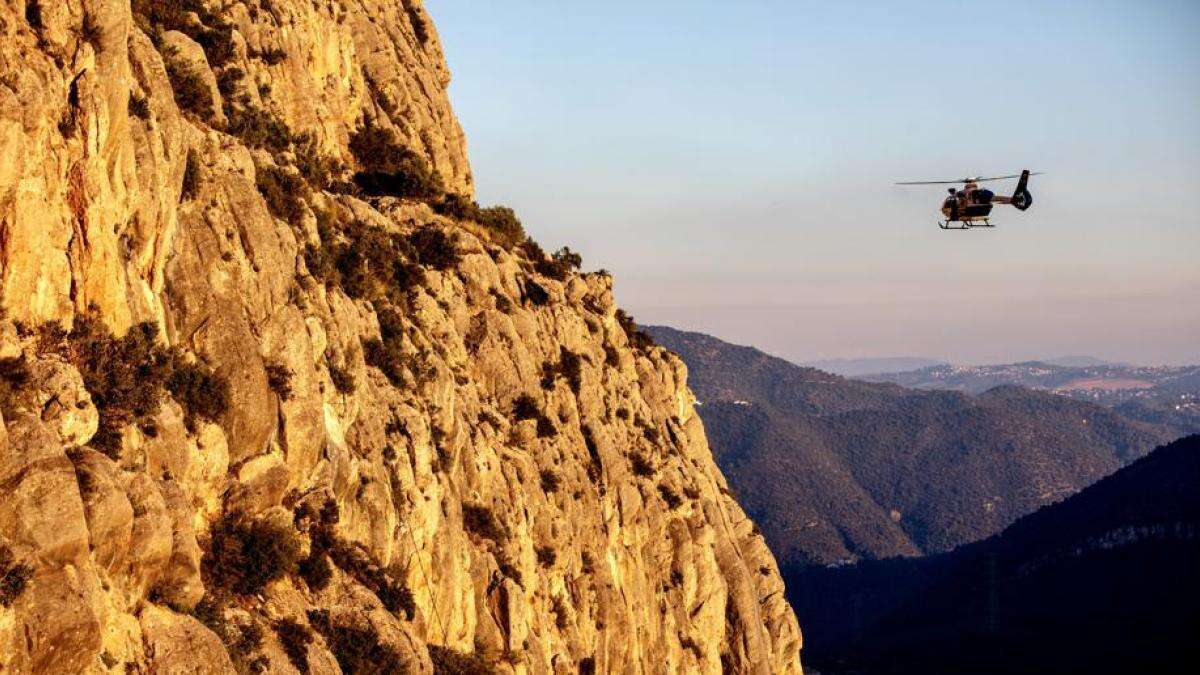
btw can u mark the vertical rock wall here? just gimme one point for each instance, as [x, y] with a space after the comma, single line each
[520, 480]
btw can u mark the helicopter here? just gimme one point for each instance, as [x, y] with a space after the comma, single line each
[971, 206]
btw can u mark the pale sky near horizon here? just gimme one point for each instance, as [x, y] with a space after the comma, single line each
[732, 164]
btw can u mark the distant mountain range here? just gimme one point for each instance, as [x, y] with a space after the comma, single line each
[838, 470]
[1103, 582]
[1162, 395]
[860, 367]
[1080, 362]
[888, 365]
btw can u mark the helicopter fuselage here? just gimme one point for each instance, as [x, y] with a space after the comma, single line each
[971, 206]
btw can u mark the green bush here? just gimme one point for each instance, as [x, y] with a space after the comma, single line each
[434, 248]
[14, 374]
[343, 379]
[641, 465]
[127, 377]
[525, 407]
[567, 258]
[569, 367]
[388, 168]
[389, 358]
[351, 558]
[214, 33]
[14, 576]
[258, 128]
[562, 616]
[279, 379]
[317, 169]
[669, 496]
[91, 32]
[638, 339]
[246, 554]
[191, 93]
[357, 649]
[316, 571]
[417, 20]
[550, 481]
[388, 355]
[447, 661]
[557, 266]
[228, 83]
[612, 358]
[272, 56]
[365, 261]
[284, 192]
[480, 521]
[139, 107]
[354, 560]
[501, 221]
[200, 392]
[535, 294]
[33, 14]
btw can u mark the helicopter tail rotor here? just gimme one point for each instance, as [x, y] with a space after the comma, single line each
[1021, 198]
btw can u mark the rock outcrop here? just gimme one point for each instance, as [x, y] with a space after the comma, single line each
[277, 397]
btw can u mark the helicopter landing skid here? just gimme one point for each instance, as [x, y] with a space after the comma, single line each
[962, 224]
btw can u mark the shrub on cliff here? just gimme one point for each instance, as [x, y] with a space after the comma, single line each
[33, 13]
[343, 379]
[501, 221]
[128, 377]
[525, 407]
[638, 338]
[641, 465]
[213, 32]
[447, 661]
[283, 191]
[279, 379]
[14, 374]
[388, 168]
[14, 576]
[189, 89]
[557, 266]
[480, 521]
[357, 649]
[568, 367]
[535, 294]
[549, 480]
[417, 20]
[201, 393]
[139, 106]
[258, 128]
[246, 554]
[434, 248]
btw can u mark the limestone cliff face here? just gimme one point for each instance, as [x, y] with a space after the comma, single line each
[487, 468]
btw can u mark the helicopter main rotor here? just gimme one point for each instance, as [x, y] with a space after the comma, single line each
[974, 179]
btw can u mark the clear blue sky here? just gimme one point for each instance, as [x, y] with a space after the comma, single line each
[732, 164]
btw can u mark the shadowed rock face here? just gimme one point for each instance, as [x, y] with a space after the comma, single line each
[391, 511]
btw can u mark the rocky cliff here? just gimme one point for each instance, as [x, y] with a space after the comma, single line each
[277, 396]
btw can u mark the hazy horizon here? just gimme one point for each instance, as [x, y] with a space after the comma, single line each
[732, 165]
